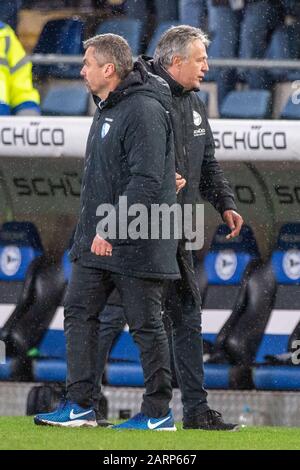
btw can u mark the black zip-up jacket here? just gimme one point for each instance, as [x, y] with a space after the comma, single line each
[194, 146]
[130, 152]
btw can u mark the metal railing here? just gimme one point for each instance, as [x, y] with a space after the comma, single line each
[48, 59]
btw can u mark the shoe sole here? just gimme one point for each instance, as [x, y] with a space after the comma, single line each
[166, 429]
[69, 424]
[135, 429]
[104, 424]
[235, 429]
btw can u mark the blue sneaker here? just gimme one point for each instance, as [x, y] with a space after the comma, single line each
[68, 414]
[141, 422]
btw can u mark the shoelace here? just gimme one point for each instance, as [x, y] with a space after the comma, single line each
[213, 416]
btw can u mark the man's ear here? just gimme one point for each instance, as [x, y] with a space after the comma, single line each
[109, 69]
[177, 61]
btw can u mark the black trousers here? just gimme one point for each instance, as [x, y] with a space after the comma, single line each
[87, 294]
[182, 312]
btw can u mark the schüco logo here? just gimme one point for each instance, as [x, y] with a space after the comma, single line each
[250, 140]
[32, 136]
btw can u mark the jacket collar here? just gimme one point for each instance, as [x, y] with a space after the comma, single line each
[135, 78]
[175, 87]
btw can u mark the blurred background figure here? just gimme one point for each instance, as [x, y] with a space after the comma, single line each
[9, 10]
[17, 94]
[242, 28]
[166, 10]
[193, 12]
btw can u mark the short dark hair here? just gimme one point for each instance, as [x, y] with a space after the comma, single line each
[112, 48]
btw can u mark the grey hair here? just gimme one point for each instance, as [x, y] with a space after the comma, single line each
[112, 48]
[175, 41]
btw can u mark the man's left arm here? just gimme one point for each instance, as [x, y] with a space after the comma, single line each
[215, 188]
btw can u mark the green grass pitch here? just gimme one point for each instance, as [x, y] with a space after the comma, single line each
[21, 433]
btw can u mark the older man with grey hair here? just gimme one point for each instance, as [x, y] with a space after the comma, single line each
[181, 60]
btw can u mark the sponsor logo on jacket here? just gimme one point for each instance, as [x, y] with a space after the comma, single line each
[197, 122]
[105, 129]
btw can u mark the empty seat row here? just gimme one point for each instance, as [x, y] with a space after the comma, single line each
[233, 279]
[73, 100]
[65, 37]
[225, 269]
[255, 104]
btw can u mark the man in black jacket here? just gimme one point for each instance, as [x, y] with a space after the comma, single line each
[129, 157]
[181, 60]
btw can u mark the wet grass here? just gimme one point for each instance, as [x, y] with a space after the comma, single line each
[21, 433]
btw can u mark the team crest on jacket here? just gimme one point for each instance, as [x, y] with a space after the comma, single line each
[105, 129]
[197, 118]
[197, 122]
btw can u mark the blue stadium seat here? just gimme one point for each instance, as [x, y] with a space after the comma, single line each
[252, 104]
[224, 268]
[285, 262]
[204, 96]
[279, 49]
[227, 260]
[62, 36]
[66, 264]
[20, 244]
[130, 29]
[286, 257]
[166, 10]
[124, 368]
[291, 110]
[277, 378]
[50, 366]
[66, 101]
[161, 28]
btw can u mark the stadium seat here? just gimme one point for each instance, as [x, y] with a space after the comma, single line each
[204, 96]
[62, 36]
[277, 378]
[20, 245]
[291, 110]
[252, 104]
[166, 10]
[72, 100]
[50, 364]
[284, 45]
[130, 29]
[124, 368]
[225, 267]
[279, 50]
[227, 260]
[285, 262]
[161, 28]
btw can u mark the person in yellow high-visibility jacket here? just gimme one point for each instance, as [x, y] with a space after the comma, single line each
[17, 94]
